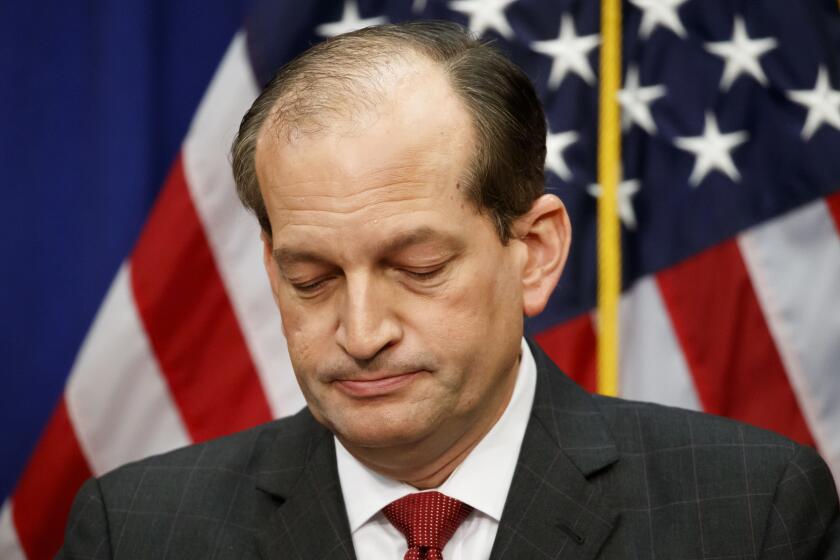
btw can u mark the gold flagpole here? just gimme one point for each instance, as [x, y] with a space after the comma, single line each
[609, 164]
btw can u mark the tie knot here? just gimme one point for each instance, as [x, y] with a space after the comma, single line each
[427, 519]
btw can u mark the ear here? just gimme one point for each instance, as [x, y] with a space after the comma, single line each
[270, 265]
[546, 234]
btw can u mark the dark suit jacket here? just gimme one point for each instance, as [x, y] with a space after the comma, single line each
[596, 478]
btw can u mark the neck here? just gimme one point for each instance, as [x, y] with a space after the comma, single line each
[428, 463]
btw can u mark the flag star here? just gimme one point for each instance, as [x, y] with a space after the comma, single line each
[418, 6]
[484, 15]
[350, 21]
[741, 54]
[569, 52]
[555, 145]
[712, 151]
[635, 102]
[660, 12]
[626, 191]
[823, 104]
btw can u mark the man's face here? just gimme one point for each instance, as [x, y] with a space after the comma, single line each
[401, 308]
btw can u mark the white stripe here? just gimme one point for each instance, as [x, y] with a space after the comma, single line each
[794, 262]
[653, 367]
[233, 234]
[10, 548]
[117, 399]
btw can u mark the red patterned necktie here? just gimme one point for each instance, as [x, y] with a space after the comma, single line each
[428, 520]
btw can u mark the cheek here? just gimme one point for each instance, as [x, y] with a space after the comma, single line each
[490, 293]
[301, 328]
[482, 305]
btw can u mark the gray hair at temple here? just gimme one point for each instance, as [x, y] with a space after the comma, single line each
[339, 76]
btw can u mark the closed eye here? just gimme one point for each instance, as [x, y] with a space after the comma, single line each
[424, 274]
[312, 286]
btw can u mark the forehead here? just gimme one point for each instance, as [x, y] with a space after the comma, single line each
[407, 158]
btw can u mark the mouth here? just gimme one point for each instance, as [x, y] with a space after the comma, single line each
[381, 386]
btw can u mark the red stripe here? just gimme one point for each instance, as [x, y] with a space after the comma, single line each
[190, 322]
[571, 345]
[722, 331]
[45, 492]
[833, 202]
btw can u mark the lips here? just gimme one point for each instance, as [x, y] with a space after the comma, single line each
[381, 386]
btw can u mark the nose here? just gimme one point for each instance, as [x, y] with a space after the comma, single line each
[367, 323]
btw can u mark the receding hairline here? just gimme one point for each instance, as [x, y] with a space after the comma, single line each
[506, 117]
[367, 85]
[348, 114]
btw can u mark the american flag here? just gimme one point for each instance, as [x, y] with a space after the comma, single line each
[137, 316]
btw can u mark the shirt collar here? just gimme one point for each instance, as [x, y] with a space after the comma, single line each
[482, 480]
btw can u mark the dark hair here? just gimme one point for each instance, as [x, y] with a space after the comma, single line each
[506, 175]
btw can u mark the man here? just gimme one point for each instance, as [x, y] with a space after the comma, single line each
[397, 174]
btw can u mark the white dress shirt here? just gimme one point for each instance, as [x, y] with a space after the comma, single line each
[482, 481]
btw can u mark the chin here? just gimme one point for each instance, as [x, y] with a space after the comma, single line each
[379, 432]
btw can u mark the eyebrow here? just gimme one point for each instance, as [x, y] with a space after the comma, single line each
[418, 236]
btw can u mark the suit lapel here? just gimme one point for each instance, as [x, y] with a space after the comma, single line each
[309, 521]
[554, 507]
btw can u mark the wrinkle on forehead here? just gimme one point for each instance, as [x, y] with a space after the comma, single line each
[353, 213]
[346, 179]
[383, 186]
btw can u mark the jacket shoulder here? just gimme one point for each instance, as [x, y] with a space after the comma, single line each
[710, 455]
[691, 466]
[207, 471]
[194, 502]
[235, 452]
[649, 427]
